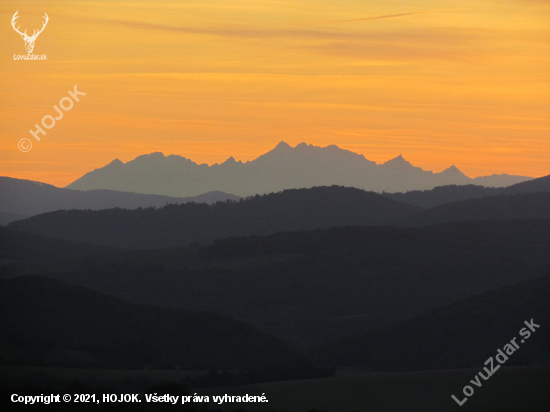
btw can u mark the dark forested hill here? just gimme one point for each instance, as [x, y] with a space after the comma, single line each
[458, 336]
[290, 210]
[47, 322]
[443, 194]
[501, 207]
[454, 193]
[22, 246]
[7, 217]
[541, 184]
[324, 284]
[178, 225]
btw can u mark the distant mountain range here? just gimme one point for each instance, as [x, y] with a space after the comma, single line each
[284, 167]
[21, 198]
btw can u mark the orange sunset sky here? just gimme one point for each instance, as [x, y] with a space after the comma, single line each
[441, 82]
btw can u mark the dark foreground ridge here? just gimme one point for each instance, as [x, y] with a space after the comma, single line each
[463, 335]
[49, 323]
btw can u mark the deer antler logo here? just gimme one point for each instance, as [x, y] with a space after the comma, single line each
[29, 40]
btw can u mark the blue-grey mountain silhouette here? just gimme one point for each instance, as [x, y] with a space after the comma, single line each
[284, 167]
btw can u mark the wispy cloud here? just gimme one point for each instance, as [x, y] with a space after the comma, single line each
[390, 51]
[219, 31]
[246, 32]
[393, 16]
[385, 16]
[230, 31]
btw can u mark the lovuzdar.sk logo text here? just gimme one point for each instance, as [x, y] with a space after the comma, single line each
[29, 40]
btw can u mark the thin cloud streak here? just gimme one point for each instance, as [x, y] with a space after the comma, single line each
[231, 32]
[408, 35]
[392, 16]
[386, 16]
[245, 32]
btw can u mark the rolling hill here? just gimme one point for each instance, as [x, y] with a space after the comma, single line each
[21, 246]
[22, 198]
[453, 193]
[180, 225]
[47, 322]
[462, 335]
[501, 207]
[321, 285]
[290, 210]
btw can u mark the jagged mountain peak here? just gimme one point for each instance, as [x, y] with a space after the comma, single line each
[453, 170]
[231, 161]
[397, 160]
[154, 155]
[399, 163]
[282, 145]
[116, 162]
